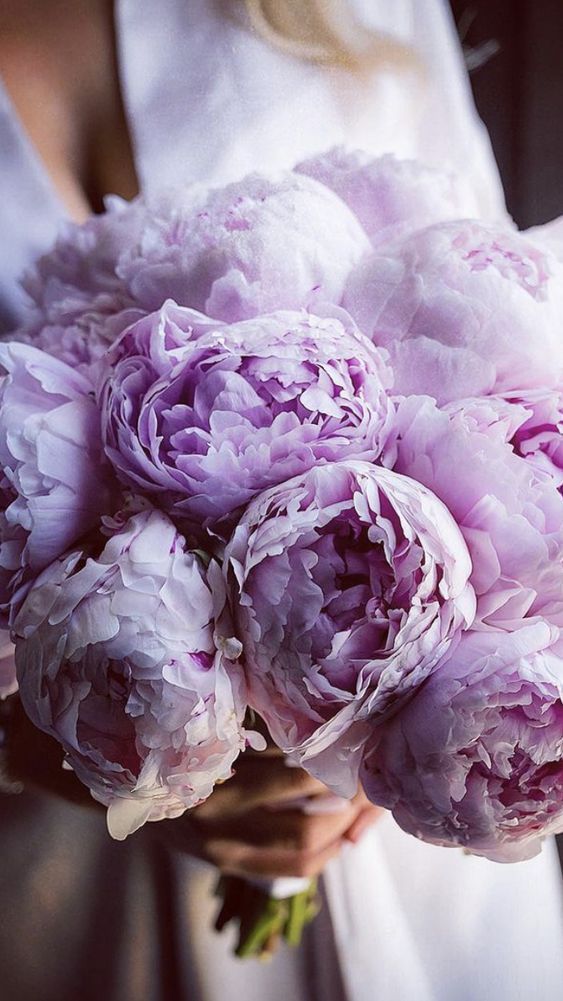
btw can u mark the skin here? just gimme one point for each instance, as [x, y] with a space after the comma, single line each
[247, 827]
[58, 62]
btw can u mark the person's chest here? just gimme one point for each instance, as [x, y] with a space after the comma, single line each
[117, 95]
[59, 66]
[139, 95]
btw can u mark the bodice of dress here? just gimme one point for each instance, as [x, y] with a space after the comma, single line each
[207, 100]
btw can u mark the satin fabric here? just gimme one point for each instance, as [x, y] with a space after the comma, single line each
[86, 917]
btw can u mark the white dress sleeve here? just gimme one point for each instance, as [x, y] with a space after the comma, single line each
[234, 103]
[444, 129]
[450, 131]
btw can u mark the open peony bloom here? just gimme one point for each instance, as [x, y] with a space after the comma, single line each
[475, 758]
[120, 664]
[78, 303]
[206, 426]
[253, 246]
[55, 482]
[539, 437]
[511, 518]
[464, 309]
[531, 421]
[223, 251]
[349, 583]
[390, 197]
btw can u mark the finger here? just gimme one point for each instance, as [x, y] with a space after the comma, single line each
[366, 817]
[273, 777]
[235, 900]
[257, 782]
[240, 859]
[290, 830]
[270, 751]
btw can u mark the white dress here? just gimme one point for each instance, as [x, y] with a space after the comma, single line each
[86, 918]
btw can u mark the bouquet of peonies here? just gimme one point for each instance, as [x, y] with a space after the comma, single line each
[294, 446]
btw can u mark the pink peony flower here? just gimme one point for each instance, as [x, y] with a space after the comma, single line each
[224, 251]
[78, 303]
[530, 421]
[390, 197]
[116, 658]
[348, 584]
[55, 483]
[251, 247]
[464, 310]
[205, 425]
[475, 758]
[511, 518]
[539, 438]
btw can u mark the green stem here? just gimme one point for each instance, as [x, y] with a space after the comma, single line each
[263, 920]
[271, 920]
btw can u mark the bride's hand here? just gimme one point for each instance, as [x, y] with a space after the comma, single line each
[249, 826]
[252, 825]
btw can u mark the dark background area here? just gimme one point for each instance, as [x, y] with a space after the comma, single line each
[519, 95]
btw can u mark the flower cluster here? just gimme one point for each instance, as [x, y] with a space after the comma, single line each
[205, 424]
[295, 445]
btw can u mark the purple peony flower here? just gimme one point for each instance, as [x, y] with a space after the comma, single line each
[349, 583]
[475, 758]
[55, 482]
[78, 303]
[511, 518]
[251, 247]
[205, 426]
[530, 421]
[116, 658]
[390, 197]
[224, 251]
[464, 310]
[539, 438]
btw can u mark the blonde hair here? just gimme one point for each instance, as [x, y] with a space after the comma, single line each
[326, 32]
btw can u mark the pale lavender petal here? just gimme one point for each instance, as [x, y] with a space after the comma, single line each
[511, 517]
[463, 309]
[228, 257]
[390, 197]
[55, 482]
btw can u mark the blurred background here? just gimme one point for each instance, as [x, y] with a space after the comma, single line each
[514, 49]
